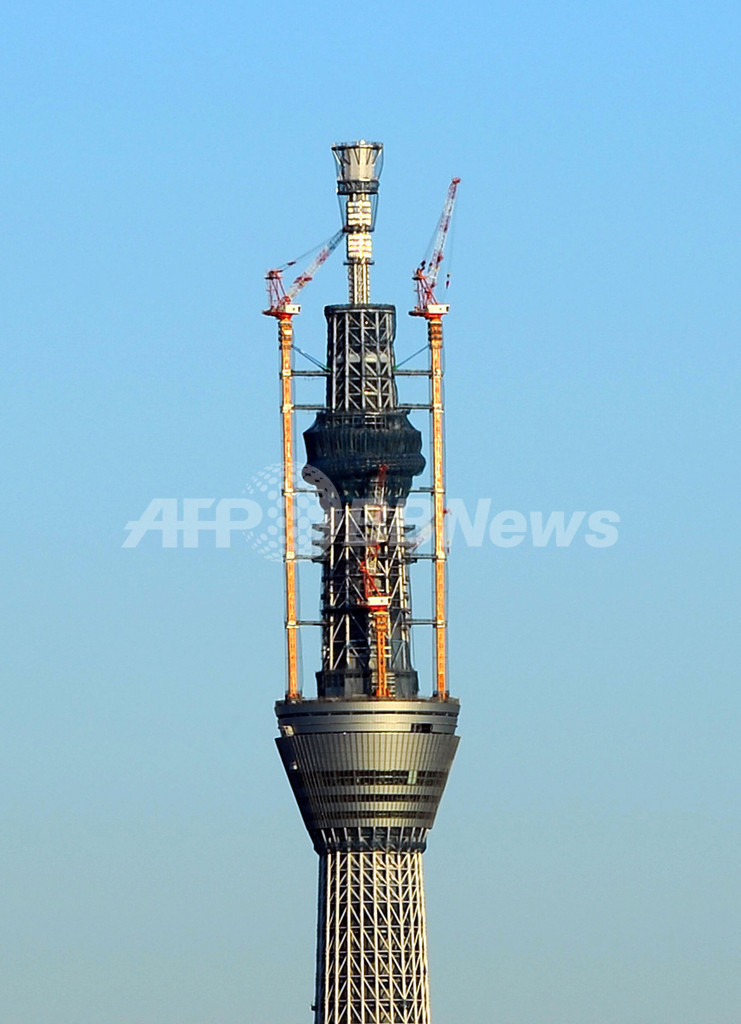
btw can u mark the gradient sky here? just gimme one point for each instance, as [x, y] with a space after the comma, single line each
[158, 157]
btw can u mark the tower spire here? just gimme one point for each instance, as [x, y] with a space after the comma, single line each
[358, 170]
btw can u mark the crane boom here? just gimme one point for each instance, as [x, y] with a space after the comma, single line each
[278, 298]
[321, 257]
[425, 276]
[442, 233]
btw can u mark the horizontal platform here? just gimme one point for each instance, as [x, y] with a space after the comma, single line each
[367, 714]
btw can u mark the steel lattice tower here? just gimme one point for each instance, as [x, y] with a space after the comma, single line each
[368, 758]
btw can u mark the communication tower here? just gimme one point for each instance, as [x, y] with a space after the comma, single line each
[368, 757]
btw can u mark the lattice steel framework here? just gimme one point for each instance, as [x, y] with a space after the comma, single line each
[347, 627]
[372, 952]
[365, 452]
[361, 359]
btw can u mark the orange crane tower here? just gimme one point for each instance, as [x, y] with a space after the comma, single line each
[377, 600]
[377, 604]
[283, 308]
[425, 279]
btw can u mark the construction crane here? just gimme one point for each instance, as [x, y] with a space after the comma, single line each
[281, 305]
[425, 279]
[377, 603]
[426, 274]
[280, 301]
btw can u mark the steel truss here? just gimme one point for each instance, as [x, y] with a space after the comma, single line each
[360, 356]
[372, 946]
[351, 535]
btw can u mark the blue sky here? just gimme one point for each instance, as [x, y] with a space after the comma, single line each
[584, 868]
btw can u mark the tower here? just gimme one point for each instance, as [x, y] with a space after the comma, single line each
[369, 756]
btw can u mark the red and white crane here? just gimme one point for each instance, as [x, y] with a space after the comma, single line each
[426, 274]
[280, 301]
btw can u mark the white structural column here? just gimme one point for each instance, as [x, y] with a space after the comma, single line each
[372, 942]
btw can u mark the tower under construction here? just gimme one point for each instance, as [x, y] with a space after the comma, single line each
[367, 757]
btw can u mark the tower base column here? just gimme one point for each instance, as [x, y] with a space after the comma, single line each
[371, 943]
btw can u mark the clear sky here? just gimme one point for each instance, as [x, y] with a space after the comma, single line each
[158, 158]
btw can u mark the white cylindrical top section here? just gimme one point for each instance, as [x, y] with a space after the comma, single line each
[358, 166]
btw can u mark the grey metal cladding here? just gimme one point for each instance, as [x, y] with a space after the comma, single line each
[355, 778]
[368, 715]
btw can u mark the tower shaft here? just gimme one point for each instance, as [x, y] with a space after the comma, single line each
[372, 943]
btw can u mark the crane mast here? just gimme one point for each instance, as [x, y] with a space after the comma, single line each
[283, 308]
